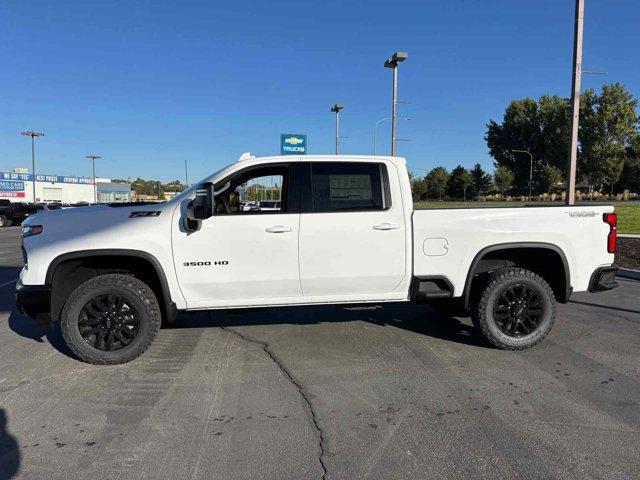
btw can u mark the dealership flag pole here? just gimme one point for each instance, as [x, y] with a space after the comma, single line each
[575, 103]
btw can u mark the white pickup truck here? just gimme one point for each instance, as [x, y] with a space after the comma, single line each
[345, 232]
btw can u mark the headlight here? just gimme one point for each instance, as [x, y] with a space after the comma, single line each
[29, 230]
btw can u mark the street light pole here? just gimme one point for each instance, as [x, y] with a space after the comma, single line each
[575, 102]
[530, 167]
[33, 136]
[336, 108]
[393, 63]
[186, 174]
[375, 130]
[93, 158]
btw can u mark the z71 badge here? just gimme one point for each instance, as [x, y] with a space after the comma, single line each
[155, 213]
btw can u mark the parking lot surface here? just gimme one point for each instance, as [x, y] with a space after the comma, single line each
[312, 392]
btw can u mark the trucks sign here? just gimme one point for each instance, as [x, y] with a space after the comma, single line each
[293, 144]
[10, 188]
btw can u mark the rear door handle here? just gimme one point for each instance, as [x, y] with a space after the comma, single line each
[386, 226]
[278, 229]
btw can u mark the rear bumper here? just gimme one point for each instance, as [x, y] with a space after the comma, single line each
[604, 278]
[34, 301]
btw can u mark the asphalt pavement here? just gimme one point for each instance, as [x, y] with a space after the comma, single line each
[301, 393]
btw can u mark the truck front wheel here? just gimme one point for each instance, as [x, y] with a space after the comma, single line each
[4, 221]
[515, 309]
[110, 319]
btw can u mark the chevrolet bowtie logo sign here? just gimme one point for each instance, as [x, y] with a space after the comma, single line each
[293, 144]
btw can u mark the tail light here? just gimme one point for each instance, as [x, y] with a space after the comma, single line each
[612, 238]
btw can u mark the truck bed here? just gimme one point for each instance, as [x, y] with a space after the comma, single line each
[446, 241]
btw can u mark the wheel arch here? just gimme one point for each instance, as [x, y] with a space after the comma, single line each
[562, 289]
[140, 257]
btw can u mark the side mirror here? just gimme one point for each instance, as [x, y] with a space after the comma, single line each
[200, 208]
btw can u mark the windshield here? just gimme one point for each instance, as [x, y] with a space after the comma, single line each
[185, 193]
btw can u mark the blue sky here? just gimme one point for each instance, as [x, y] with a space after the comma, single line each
[150, 84]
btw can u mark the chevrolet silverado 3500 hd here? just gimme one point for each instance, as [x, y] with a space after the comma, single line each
[345, 231]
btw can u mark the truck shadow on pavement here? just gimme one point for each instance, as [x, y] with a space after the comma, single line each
[27, 328]
[418, 319]
[9, 450]
[414, 318]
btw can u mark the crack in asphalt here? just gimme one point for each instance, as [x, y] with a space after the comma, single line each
[301, 390]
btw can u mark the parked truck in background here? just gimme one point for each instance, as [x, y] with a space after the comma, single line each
[14, 213]
[345, 232]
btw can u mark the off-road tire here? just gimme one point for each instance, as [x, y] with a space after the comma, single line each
[4, 221]
[137, 292]
[483, 316]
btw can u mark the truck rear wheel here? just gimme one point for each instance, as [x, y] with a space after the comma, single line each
[515, 310]
[110, 319]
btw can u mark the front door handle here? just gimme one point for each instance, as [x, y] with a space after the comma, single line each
[278, 229]
[386, 226]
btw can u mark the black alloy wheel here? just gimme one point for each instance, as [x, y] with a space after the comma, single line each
[518, 310]
[109, 322]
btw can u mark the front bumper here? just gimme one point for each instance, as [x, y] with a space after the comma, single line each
[34, 301]
[604, 278]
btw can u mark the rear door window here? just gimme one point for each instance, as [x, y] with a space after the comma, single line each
[347, 186]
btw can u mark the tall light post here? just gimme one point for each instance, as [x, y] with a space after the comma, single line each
[530, 167]
[186, 174]
[93, 159]
[375, 130]
[33, 136]
[336, 108]
[393, 63]
[575, 102]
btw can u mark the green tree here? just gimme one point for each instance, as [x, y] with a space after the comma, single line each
[540, 127]
[630, 177]
[503, 178]
[419, 189]
[436, 182]
[481, 180]
[466, 180]
[608, 129]
[611, 169]
[454, 187]
[550, 177]
[459, 181]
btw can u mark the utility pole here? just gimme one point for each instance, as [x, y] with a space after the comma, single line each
[186, 174]
[93, 159]
[575, 102]
[33, 136]
[530, 167]
[393, 63]
[336, 108]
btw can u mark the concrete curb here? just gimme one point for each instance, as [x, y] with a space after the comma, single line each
[628, 273]
[628, 235]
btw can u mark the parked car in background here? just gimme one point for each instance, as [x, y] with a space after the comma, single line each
[268, 205]
[248, 206]
[42, 207]
[15, 213]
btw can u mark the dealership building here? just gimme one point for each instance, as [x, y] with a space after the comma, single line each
[17, 186]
